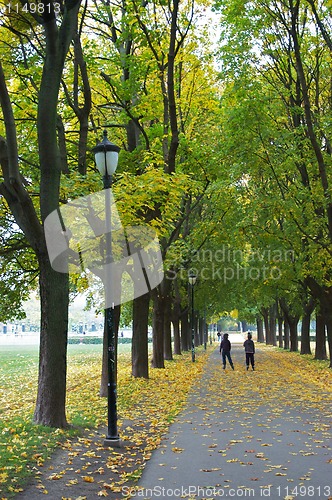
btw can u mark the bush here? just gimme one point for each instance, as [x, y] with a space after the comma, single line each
[84, 339]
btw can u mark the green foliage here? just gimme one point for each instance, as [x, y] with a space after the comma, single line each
[18, 268]
[281, 204]
[247, 186]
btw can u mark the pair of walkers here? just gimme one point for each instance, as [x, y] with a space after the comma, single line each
[249, 347]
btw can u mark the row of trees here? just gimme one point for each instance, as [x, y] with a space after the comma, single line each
[277, 63]
[230, 165]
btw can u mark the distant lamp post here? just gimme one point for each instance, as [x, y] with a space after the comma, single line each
[205, 332]
[106, 157]
[192, 280]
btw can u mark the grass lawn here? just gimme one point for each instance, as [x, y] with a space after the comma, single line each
[23, 444]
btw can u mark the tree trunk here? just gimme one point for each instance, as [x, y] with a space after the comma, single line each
[320, 351]
[273, 324]
[244, 326]
[167, 329]
[51, 398]
[329, 337]
[176, 328]
[265, 314]
[176, 314]
[139, 350]
[286, 334]
[158, 330]
[329, 322]
[54, 288]
[280, 332]
[201, 330]
[292, 320]
[326, 308]
[171, 101]
[185, 334]
[294, 343]
[196, 328]
[260, 330]
[305, 329]
[323, 317]
[305, 334]
[205, 333]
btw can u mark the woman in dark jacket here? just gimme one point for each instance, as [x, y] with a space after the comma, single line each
[225, 349]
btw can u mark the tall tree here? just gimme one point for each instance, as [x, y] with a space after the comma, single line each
[58, 29]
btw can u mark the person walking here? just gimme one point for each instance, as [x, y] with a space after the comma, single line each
[225, 350]
[249, 348]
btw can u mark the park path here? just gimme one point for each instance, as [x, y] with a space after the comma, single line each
[245, 434]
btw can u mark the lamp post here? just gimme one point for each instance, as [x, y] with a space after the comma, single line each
[205, 328]
[106, 157]
[192, 280]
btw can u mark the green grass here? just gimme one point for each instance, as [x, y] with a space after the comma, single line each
[15, 360]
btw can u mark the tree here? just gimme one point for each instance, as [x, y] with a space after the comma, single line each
[58, 30]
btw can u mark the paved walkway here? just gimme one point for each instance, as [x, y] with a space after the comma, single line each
[245, 434]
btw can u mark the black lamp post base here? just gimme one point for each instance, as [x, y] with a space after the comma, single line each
[112, 442]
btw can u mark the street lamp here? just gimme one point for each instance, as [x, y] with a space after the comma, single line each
[205, 332]
[106, 157]
[192, 280]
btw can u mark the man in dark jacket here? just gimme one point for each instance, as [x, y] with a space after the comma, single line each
[249, 348]
[225, 349]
